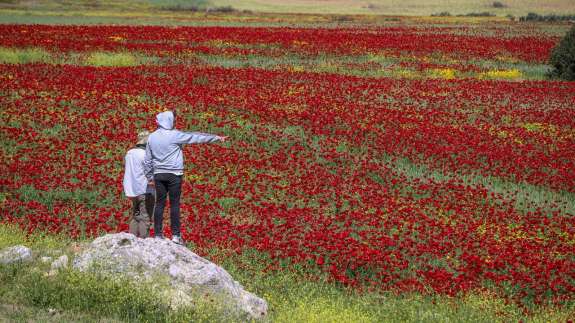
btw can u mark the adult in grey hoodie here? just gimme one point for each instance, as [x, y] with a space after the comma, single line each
[164, 165]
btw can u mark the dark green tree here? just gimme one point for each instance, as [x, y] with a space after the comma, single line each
[563, 58]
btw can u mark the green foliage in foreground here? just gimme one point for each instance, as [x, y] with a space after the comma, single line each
[27, 293]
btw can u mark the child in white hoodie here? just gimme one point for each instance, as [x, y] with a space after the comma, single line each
[137, 189]
[164, 165]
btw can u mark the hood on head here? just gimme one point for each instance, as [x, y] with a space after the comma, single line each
[165, 120]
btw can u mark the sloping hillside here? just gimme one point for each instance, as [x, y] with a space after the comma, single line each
[379, 7]
[404, 7]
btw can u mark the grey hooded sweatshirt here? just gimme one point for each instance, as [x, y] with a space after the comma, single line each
[164, 149]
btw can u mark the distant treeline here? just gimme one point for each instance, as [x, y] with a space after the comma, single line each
[471, 14]
[537, 17]
[194, 8]
[530, 16]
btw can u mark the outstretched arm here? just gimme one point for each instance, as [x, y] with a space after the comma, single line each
[197, 138]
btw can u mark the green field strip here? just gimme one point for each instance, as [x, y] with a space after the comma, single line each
[375, 66]
[528, 197]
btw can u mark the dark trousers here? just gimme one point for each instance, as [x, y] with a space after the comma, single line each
[167, 184]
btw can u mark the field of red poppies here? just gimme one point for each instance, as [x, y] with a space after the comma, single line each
[429, 158]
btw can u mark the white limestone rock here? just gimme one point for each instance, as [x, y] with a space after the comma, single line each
[15, 254]
[188, 274]
[60, 263]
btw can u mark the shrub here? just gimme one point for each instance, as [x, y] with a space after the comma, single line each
[342, 18]
[199, 6]
[223, 9]
[442, 14]
[478, 14]
[563, 57]
[552, 17]
[497, 4]
[372, 6]
[180, 7]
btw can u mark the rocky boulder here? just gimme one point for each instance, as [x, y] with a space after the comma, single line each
[15, 254]
[187, 274]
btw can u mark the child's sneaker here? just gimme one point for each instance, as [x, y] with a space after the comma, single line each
[178, 240]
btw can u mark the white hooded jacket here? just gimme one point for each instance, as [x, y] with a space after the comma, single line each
[164, 149]
[135, 182]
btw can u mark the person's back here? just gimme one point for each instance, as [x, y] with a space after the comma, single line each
[134, 176]
[164, 162]
[165, 144]
[136, 188]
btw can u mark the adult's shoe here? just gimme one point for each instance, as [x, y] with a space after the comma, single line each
[178, 240]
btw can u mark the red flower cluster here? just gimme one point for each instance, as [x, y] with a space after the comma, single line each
[424, 185]
[459, 43]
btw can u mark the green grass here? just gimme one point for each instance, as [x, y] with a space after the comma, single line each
[10, 55]
[11, 235]
[111, 59]
[96, 296]
[23, 55]
[528, 71]
[10, 312]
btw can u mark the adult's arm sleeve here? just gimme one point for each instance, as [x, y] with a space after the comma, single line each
[195, 138]
[148, 164]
